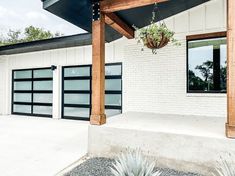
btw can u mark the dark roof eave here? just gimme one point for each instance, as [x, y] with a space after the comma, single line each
[47, 44]
[79, 13]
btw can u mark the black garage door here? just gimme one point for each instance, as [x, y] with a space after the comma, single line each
[76, 91]
[32, 92]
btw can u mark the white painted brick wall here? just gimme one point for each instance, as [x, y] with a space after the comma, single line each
[151, 83]
[157, 83]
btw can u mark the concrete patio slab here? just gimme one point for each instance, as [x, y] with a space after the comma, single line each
[180, 142]
[40, 146]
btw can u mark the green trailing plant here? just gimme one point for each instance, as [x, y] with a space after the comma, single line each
[225, 167]
[155, 36]
[133, 163]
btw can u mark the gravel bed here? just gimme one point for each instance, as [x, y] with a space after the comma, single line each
[101, 167]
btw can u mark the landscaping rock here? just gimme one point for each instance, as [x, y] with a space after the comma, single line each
[101, 167]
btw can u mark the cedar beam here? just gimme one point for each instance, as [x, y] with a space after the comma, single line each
[108, 6]
[98, 116]
[116, 23]
[230, 126]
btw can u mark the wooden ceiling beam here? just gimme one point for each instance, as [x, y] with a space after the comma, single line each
[119, 25]
[108, 6]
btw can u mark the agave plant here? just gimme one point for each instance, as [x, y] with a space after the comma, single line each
[133, 163]
[225, 167]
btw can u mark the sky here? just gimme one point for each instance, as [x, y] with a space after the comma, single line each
[202, 54]
[18, 14]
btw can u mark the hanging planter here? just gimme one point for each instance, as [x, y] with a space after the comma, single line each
[156, 35]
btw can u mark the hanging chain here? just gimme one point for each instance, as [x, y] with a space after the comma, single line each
[154, 13]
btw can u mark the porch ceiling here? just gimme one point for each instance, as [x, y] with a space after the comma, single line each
[79, 13]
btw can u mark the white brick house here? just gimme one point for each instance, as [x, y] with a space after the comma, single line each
[151, 83]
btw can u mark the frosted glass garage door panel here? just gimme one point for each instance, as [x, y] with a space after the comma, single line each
[22, 74]
[77, 112]
[77, 99]
[44, 110]
[42, 98]
[77, 71]
[113, 84]
[44, 73]
[77, 85]
[112, 112]
[22, 97]
[113, 99]
[22, 108]
[111, 70]
[23, 85]
[43, 85]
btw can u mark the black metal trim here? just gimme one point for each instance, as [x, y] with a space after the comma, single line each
[32, 69]
[78, 105]
[95, 10]
[33, 79]
[113, 107]
[75, 118]
[77, 91]
[113, 92]
[72, 66]
[62, 93]
[115, 63]
[113, 77]
[33, 91]
[32, 103]
[78, 78]
[32, 115]
[187, 67]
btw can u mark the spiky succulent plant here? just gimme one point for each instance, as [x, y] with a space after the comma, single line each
[133, 163]
[225, 167]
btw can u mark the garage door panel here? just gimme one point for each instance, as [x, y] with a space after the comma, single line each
[32, 92]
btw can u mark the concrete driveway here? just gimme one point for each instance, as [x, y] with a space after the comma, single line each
[40, 146]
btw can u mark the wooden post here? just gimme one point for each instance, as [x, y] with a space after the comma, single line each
[98, 116]
[230, 126]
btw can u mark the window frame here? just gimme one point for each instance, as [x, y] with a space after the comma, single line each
[214, 35]
[32, 91]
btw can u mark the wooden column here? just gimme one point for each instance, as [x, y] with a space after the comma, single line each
[98, 116]
[230, 126]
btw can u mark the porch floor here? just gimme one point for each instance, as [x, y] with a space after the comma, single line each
[40, 146]
[181, 142]
[170, 123]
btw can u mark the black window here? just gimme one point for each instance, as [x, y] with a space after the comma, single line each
[76, 91]
[32, 92]
[206, 69]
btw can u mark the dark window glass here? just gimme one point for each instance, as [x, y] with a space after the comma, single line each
[207, 65]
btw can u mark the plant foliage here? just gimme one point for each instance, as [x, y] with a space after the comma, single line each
[156, 33]
[225, 167]
[133, 163]
[29, 34]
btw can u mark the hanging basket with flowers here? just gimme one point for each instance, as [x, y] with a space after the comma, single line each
[156, 35]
